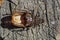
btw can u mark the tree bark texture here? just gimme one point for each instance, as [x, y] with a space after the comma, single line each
[49, 10]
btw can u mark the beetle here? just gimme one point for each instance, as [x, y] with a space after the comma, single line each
[22, 19]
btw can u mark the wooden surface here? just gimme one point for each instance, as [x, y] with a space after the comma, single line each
[49, 10]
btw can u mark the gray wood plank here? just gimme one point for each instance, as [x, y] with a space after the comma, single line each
[49, 10]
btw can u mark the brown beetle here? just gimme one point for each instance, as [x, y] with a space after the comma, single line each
[23, 19]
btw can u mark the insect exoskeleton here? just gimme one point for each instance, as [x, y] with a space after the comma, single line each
[21, 19]
[1, 2]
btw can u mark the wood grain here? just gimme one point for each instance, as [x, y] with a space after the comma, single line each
[49, 10]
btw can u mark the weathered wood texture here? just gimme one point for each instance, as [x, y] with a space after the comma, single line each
[49, 10]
